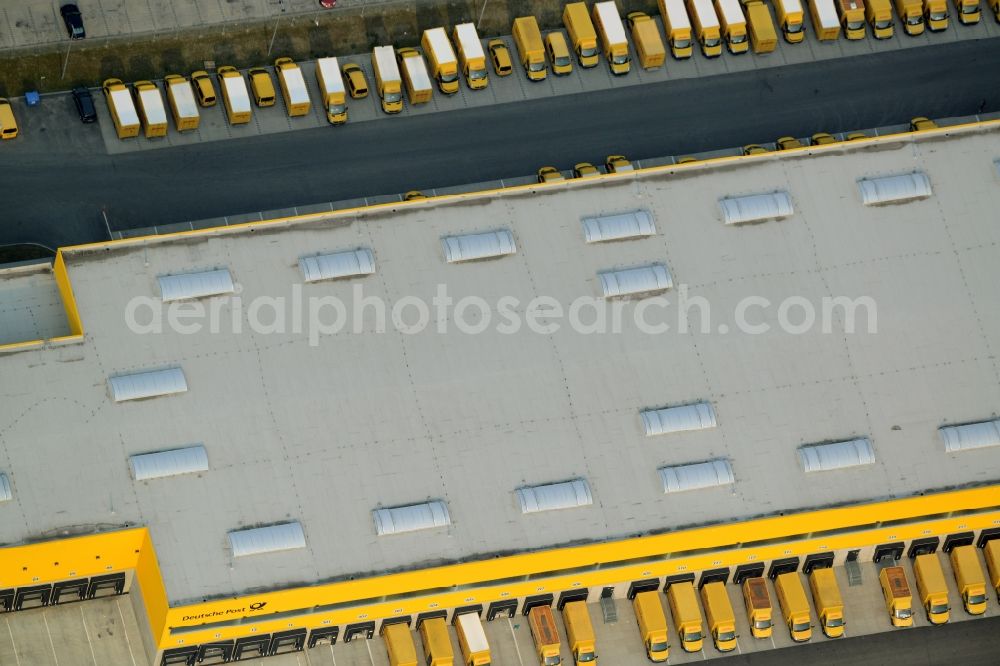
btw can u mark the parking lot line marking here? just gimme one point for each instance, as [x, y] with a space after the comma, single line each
[51, 644]
[738, 649]
[368, 644]
[128, 642]
[333, 656]
[12, 643]
[86, 633]
[773, 646]
[514, 636]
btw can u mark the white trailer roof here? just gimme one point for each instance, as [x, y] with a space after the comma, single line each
[125, 107]
[732, 12]
[236, 89]
[468, 38]
[385, 60]
[437, 38]
[826, 12]
[612, 21]
[295, 83]
[183, 97]
[152, 104]
[791, 6]
[416, 69]
[706, 13]
[472, 627]
[677, 15]
[332, 82]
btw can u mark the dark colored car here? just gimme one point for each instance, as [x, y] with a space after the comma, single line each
[84, 104]
[73, 20]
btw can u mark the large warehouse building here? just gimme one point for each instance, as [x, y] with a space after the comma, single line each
[189, 427]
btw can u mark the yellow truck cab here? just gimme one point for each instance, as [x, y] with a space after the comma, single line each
[734, 25]
[612, 35]
[879, 16]
[472, 640]
[262, 86]
[8, 125]
[556, 47]
[203, 88]
[763, 35]
[293, 87]
[416, 80]
[436, 642]
[828, 602]
[936, 14]
[969, 578]
[235, 97]
[387, 79]
[530, 50]
[911, 13]
[991, 551]
[399, 645]
[968, 11]
[652, 624]
[646, 37]
[720, 616]
[794, 605]
[932, 588]
[707, 30]
[331, 90]
[183, 107]
[580, 633]
[677, 27]
[471, 57]
[546, 636]
[122, 108]
[582, 35]
[825, 20]
[687, 617]
[896, 592]
[758, 604]
[441, 58]
[852, 18]
[790, 19]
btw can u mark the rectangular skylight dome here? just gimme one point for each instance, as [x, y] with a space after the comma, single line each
[756, 207]
[695, 476]
[970, 436]
[837, 455]
[640, 280]
[636, 224]
[287, 536]
[469, 247]
[151, 384]
[196, 285]
[894, 189]
[337, 265]
[678, 419]
[411, 518]
[549, 497]
[169, 463]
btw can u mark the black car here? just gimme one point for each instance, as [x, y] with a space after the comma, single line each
[73, 20]
[84, 104]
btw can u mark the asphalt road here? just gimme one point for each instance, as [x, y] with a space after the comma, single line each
[974, 643]
[53, 190]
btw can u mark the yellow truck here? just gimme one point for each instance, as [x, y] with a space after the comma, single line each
[969, 578]
[332, 91]
[828, 602]
[293, 87]
[416, 80]
[580, 633]
[262, 87]
[472, 640]
[932, 588]
[546, 636]
[758, 604]
[677, 27]
[719, 615]
[387, 79]
[530, 49]
[794, 605]
[734, 25]
[582, 35]
[852, 18]
[896, 592]
[612, 35]
[8, 124]
[790, 19]
[687, 617]
[122, 108]
[152, 113]
[968, 11]
[646, 37]
[879, 15]
[911, 13]
[991, 551]
[437, 643]
[234, 95]
[652, 623]
[399, 645]
[471, 56]
[183, 107]
[442, 60]
[763, 35]
[707, 30]
[936, 14]
[825, 20]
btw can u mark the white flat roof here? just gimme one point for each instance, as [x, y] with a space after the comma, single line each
[791, 6]
[706, 12]
[827, 13]
[295, 83]
[416, 69]
[385, 57]
[125, 106]
[386, 417]
[332, 81]
[732, 12]
[152, 102]
[677, 14]
[236, 88]
[469, 39]
[183, 98]
[438, 40]
[612, 21]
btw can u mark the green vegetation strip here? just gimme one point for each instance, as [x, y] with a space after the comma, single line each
[330, 33]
